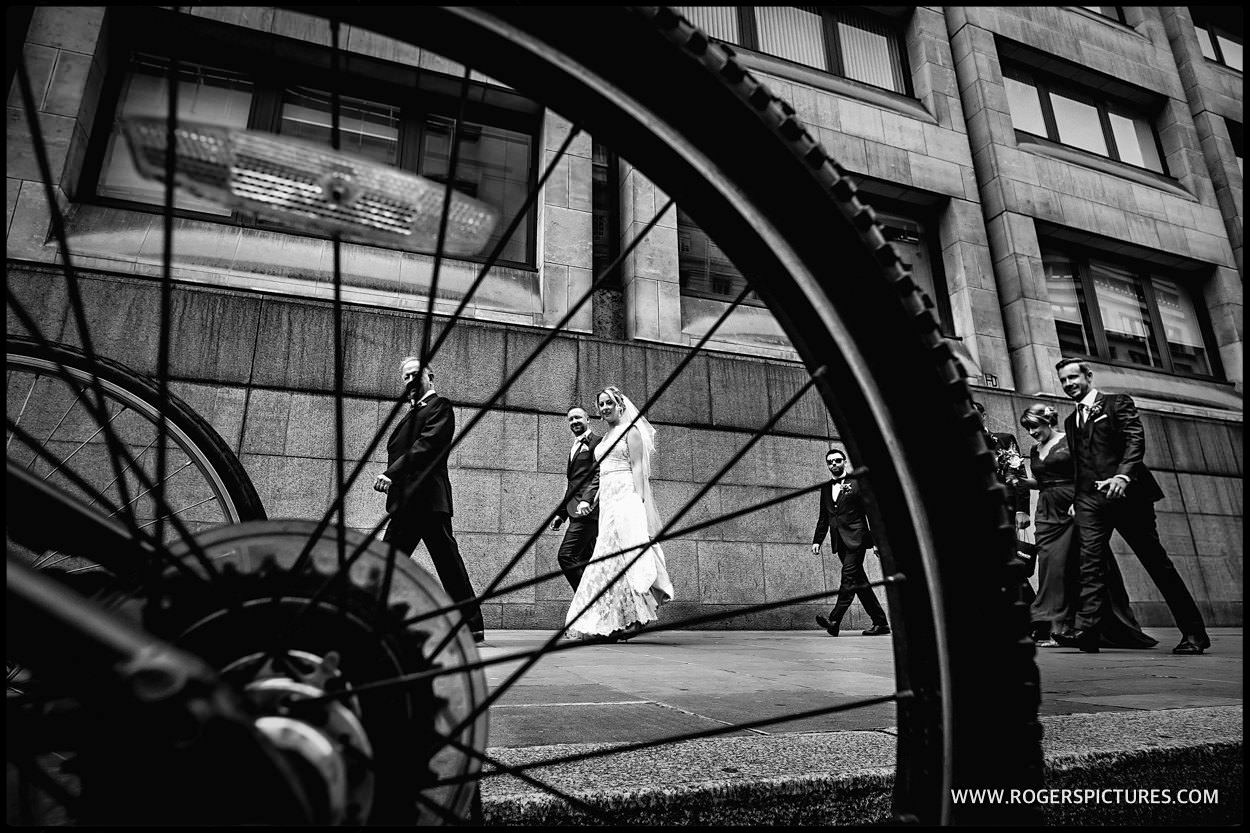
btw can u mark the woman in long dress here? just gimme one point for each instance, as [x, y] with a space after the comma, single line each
[1051, 471]
[631, 569]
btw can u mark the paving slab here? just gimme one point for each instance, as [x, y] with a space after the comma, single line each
[1142, 717]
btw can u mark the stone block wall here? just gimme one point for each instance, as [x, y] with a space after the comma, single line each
[259, 369]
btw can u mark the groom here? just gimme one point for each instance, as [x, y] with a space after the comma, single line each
[842, 516]
[579, 506]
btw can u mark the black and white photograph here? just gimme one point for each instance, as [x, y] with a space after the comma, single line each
[624, 415]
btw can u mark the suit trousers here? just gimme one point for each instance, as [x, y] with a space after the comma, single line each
[1096, 518]
[854, 576]
[577, 548]
[407, 529]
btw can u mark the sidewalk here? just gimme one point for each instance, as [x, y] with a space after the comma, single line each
[1098, 710]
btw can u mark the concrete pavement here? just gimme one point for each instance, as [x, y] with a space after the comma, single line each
[1115, 716]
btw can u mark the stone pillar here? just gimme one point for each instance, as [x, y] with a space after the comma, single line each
[649, 273]
[998, 303]
[64, 58]
[565, 248]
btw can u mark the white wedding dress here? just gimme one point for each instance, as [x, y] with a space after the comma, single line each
[645, 585]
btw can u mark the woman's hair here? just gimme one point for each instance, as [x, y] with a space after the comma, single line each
[1035, 416]
[613, 391]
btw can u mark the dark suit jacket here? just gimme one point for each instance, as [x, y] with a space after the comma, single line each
[578, 467]
[1112, 442]
[1018, 495]
[850, 523]
[415, 446]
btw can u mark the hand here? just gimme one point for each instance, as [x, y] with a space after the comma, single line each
[1022, 520]
[382, 484]
[815, 549]
[583, 508]
[1115, 487]
[556, 522]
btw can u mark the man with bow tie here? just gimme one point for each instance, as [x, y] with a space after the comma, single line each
[418, 490]
[579, 506]
[1115, 491]
[842, 514]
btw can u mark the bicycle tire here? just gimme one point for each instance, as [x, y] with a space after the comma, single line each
[780, 206]
[220, 466]
[798, 220]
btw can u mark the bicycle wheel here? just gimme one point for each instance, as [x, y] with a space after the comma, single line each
[52, 433]
[790, 219]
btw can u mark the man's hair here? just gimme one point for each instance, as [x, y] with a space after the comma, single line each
[1067, 360]
[835, 451]
[577, 408]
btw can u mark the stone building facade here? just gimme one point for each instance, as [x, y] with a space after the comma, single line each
[969, 127]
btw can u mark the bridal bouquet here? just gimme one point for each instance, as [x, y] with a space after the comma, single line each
[1009, 463]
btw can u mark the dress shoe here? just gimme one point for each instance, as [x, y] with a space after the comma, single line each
[1086, 641]
[829, 627]
[1192, 644]
[479, 637]
[877, 630]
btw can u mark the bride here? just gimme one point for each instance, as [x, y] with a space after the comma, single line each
[637, 583]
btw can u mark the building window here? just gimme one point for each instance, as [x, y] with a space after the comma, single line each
[1065, 113]
[703, 269]
[1123, 313]
[1114, 12]
[205, 94]
[858, 44]
[407, 129]
[605, 240]
[1219, 32]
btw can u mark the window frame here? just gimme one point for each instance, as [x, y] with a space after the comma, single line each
[1044, 85]
[1205, 21]
[1142, 273]
[749, 38]
[274, 64]
[1118, 15]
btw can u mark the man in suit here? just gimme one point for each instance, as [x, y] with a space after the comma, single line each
[418, 490]
[1115, 491]
[579, 506]
[842, 515]
[1005, 448]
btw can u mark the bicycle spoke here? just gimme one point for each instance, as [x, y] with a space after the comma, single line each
[494, 591]
[418, 677]
[694, 351]
[518, 772]
[755, 437]
[58, 231]
[22, 411]
[503, 388]
[55, 428]
[94, 434]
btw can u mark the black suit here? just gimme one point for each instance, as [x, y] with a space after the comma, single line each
[1111, 442]
[583, 484]
[416, 451]
[850, 538]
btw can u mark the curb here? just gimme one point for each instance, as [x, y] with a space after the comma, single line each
[847, 777]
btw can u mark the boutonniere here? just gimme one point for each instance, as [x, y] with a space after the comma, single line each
[1095, 411]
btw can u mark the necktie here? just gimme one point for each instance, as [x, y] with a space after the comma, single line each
[1080, 414]
[577, 446]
